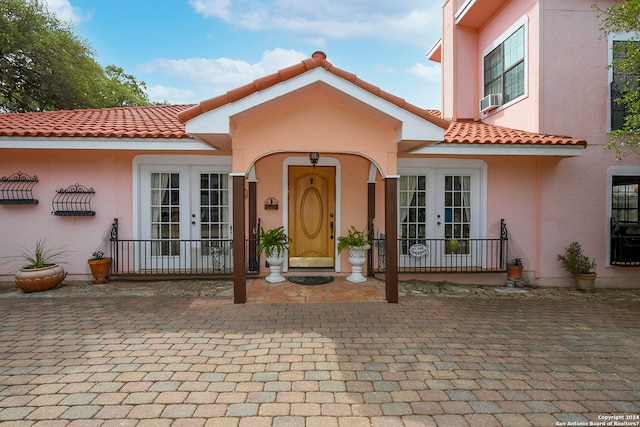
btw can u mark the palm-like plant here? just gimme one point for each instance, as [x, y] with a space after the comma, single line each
[354, 239]
[40, 257]
[273, 241]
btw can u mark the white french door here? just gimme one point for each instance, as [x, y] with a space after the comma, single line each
[185, 218]
[439, 212]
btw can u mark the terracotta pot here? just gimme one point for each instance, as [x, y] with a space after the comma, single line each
[585, 282]
[40, 279]
[514, 271]
[100, 268]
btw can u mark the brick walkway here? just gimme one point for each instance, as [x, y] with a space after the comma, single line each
[129, 357]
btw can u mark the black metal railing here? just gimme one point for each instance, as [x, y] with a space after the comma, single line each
[445, 255]
[176, 257]
[625, 244]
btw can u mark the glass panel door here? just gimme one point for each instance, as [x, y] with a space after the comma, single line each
[185, 219]
[457, 225]
[211, 219]
[438, 218]
[164, 223]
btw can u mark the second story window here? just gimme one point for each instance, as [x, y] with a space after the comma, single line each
[504, 68]
[621, 79]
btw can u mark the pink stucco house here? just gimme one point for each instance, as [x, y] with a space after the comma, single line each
[181, 190]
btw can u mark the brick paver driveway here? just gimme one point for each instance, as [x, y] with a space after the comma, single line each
[195, 361]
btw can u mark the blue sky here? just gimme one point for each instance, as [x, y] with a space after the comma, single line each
[190, 50]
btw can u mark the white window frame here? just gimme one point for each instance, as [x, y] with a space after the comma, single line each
[614, 37]
[426, 166]
[522, 22]
[144, 160]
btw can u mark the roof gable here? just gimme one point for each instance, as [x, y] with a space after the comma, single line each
[211, 120]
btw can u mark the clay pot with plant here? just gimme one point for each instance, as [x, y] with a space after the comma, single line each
[580, 266]
[514, 269]
[100, 267]
[40, 269]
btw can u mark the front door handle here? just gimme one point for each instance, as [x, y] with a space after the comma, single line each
[331, 227]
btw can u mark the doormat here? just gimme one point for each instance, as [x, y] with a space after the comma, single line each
[311, 280]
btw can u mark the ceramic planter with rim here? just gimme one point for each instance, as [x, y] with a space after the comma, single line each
[585, 282]
[39, 279]
[275, 266]
[357, 258]
[100, 269]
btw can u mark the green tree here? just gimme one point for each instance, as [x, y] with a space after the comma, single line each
[45, 66]
[624, 17]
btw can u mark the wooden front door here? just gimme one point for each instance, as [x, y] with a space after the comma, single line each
[312, 216]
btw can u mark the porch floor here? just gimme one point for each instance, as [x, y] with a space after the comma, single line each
[340, 290]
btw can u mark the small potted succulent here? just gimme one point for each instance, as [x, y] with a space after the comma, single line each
[514, 269]
[40, 270]
[100, 267]
[357, 242]
[274, 243]
[580, 266]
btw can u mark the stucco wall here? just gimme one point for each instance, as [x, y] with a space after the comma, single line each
[109, 173]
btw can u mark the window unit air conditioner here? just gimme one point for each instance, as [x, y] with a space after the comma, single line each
[490, 102]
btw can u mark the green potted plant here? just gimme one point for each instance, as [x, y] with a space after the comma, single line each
[357, 242]
[514, 269]
[100, 267]
[452, 245]
[580, 266]
[274, 243]
[40, 269]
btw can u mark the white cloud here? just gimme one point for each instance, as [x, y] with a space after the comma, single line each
[171, 95]
[430, 74]
[408, 21]
[65, 12]
[213, 77]
[385, 69]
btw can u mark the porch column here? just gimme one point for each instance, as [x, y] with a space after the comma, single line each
[391, 236]
[371, 214]
[239, 261]
[253, 227]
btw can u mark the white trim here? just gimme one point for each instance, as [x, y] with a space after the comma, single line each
[617, 171]
[78, 143]
[408, 165]
[432, 49]
[162, 160]
[304, 161]
[522, 22]
[501, 150]
[217, 120]
[463, 9]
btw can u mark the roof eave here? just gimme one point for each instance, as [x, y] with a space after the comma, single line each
[416, 123]
[501, 150]
[82, 143]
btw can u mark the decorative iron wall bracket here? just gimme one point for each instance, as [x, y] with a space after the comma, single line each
[74, 200]
[16, 189]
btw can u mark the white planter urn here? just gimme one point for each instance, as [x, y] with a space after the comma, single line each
[357, 258]
[275, 267]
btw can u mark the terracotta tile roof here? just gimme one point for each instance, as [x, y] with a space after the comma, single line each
[162, 122]
[132, 122]
[318, 59]
[168, 121]
[475, 132]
